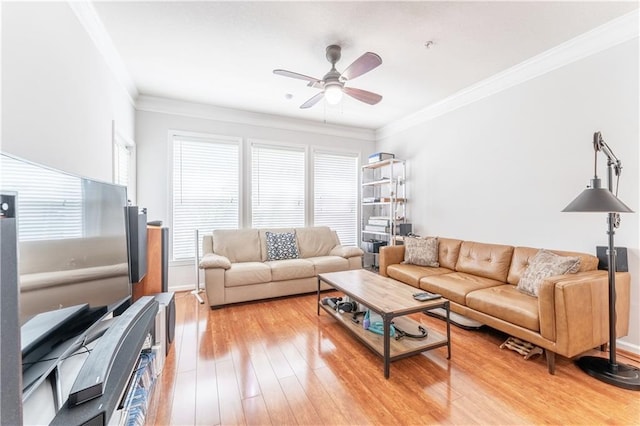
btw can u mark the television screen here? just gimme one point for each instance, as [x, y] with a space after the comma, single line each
[72, 239]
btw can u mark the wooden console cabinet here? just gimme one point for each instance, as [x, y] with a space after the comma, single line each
[152, 282]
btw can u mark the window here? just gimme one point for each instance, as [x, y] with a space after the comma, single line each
[277, 186]
[206, 188]
[42, 190]
[124, 163]
[335, 194]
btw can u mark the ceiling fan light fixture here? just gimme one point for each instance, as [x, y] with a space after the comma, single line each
[333, 93]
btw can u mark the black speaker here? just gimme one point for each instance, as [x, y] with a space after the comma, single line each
[622, 264]
[404, 228]
[10, 361]
[168, 299]
[137, 236]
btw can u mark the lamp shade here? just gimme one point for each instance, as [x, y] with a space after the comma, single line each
[597, 199]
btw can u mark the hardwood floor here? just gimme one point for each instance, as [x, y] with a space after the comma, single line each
[277, 362]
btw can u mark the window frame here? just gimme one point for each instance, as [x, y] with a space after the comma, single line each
[172, 135]
[121, 140]
[347, 153]
[304, 148]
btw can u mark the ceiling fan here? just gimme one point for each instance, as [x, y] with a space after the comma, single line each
[333, 82]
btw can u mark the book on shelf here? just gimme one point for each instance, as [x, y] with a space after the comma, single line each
[379, 217]
[370, 199]
[376, 228]
[379, 222]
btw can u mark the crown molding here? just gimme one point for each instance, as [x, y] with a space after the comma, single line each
[608, 35]
[229, 115]
[88, 17]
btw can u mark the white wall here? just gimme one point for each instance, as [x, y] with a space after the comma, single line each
[501, 169]
[155, 118]
[59, 97]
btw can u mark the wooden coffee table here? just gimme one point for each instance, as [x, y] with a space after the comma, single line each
[393, 300]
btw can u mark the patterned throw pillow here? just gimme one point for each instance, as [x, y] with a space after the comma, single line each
[543, 265]
[281, 246]
[421, 251]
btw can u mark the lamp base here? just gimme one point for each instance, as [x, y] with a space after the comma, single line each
[626, 376]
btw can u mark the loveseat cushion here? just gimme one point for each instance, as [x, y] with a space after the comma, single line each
[522, 257]
[457, 285]
[411, 274]
[237, 245]
[315, 241]
[506, 303]
[290, 269]
[485, 260]
[245, 273]
[324, 264]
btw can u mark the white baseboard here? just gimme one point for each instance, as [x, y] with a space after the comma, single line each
[628, 347]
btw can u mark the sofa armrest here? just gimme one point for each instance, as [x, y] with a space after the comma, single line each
[212, 260]
[389, 255]
[346, 251]
[574, 310]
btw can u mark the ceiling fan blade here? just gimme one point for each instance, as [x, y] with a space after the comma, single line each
[292, 74]
[363, 64]
[362, 95]
[316, 84]
[311, 102]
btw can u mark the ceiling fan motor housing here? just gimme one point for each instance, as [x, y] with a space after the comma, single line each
[333, 53]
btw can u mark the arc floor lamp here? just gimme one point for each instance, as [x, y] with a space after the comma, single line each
[603, 200]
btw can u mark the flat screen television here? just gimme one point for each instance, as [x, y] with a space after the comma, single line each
[72, 249]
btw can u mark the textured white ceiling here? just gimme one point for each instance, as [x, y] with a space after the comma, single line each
[223, 53]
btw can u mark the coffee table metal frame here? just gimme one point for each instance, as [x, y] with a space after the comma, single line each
[394, 308]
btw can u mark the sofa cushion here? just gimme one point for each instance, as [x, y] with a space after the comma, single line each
[457, 285]
[543, 265]
[421, 251]
[485, 260]
[281, 246]
[237, 245]
[323, 264]
[448, 252]
[411, 274]
[290, 269]
[315, 241]
[245, 273]
[506, 303]
[522, 257]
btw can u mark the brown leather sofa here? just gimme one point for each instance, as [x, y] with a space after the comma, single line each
[569, 316]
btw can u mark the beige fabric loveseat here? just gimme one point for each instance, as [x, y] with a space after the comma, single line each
[237, 266]
[568, 316]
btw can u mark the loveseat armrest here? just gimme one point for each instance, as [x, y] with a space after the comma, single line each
[212, 260]
[574, 310]
[389, 255]
[346, 251]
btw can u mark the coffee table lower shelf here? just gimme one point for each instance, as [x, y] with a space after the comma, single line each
[398, 349]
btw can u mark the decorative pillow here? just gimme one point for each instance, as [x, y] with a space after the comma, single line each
[281, 246]
[421, 251]
[543, 265]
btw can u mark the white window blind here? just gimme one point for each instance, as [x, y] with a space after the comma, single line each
[206, 188]
[335, 192]
[49, 202]
[277, 186]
